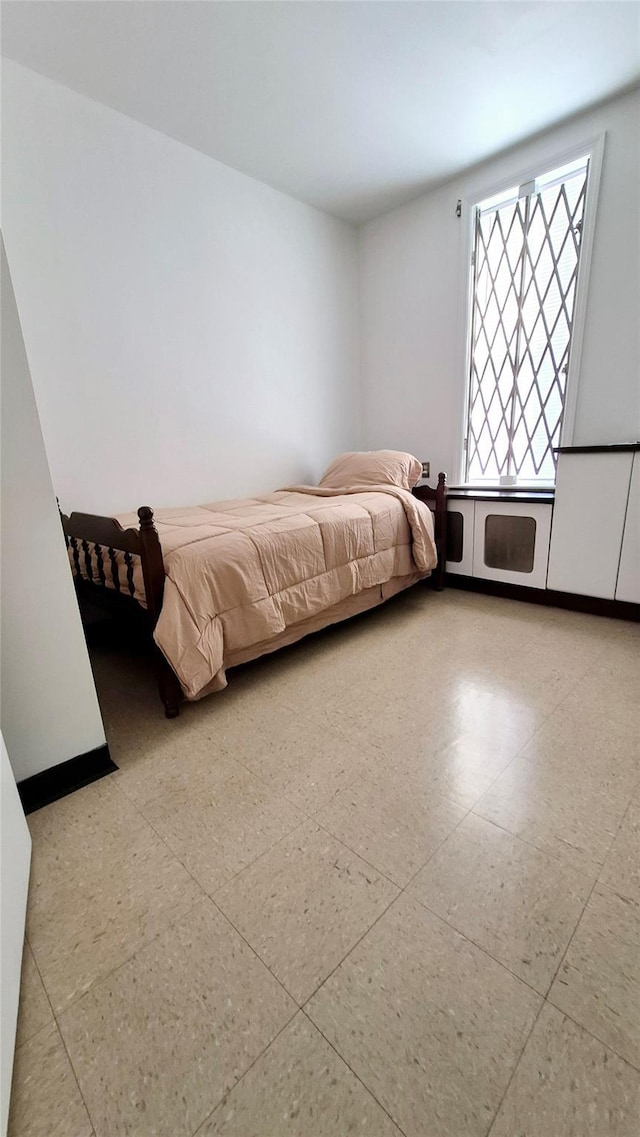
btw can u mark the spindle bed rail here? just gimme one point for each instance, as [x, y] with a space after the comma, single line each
[88, 535]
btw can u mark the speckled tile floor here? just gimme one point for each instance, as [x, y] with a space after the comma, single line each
[387, 883]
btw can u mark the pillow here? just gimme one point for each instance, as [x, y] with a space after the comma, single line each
[373, 467]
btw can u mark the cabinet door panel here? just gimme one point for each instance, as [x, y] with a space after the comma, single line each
[628, 587]
[511, 542]
[588, 521]
[460, 536]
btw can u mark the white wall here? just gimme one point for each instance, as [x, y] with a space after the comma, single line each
[49, 708]
[15, 859]
[412, 281]
[192, 333]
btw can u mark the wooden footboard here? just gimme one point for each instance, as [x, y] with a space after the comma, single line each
[437, 500]
[93, 542]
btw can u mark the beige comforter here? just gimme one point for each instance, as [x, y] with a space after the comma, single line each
[240, 573]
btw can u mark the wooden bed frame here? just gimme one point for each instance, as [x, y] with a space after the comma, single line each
[436, 499]
[88, 534]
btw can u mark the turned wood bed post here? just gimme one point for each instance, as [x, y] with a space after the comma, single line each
[440, 531]
[153, 575]
[152, 562]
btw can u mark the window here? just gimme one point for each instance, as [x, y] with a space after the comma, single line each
[526, 252]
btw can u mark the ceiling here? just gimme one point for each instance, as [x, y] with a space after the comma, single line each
[353, 107]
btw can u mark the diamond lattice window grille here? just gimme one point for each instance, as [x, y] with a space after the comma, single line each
[525, 268]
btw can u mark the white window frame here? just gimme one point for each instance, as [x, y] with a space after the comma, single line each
[593, 148]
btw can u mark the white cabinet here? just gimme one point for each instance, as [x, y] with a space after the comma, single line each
[585, 541]
[499, 539]
[628, 585]
[511, 542]
[588, 522]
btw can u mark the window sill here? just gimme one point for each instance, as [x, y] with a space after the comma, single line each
[517, 494]
[517, 487]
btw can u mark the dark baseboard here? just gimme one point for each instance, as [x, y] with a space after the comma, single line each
[58, 781]
[594, 605]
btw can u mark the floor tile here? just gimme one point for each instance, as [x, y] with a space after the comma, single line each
[136, 728]
[34, 1010]
[608, 694]
[621, 870]
[173, 767]
[551, 666]
[45, 1099]
[524, 692]
[457, 764]
[304, 675]
[598, 984]
[395, 826]
[569, 1085]
[158, 1044]
[494, 712]
[304, 905]
[222, 822]
[299, 1088]
[458, 742]
[586, 751]
[392, 723]
[135, 721]
[297, 758]
[97, 813]
[431, 1024]
[569, 818]
[102, 885]
[512, 900]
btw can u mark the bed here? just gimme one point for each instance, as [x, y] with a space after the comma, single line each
[220, 584]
